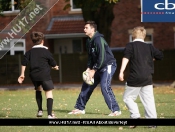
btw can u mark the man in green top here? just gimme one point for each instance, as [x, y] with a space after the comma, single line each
[101, 66]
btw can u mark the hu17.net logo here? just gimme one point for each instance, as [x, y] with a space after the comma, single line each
[157, 10]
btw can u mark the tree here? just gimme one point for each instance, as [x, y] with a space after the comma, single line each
[100, 11]
[5, 5]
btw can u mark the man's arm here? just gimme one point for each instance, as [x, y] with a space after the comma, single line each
[122, 69]
[100, 46]
[100, 57]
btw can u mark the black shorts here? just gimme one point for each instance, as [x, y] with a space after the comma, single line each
[46, 85]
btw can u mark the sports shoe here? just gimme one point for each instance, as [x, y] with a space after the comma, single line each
[40, 113]
[116, 113]
[153, 127]
[52, 116]
[132, 127]
[77, 111]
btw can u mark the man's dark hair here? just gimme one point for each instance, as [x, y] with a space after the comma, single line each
[92, 24]
[37, 37]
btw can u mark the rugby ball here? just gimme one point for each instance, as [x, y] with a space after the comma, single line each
[85, 78]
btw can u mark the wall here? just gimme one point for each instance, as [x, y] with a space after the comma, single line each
[62, 43]
[128, 15]
[72, 66]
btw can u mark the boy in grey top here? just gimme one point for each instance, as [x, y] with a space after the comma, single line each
[140, 55]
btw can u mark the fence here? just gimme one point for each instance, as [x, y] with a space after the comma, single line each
[72, 66]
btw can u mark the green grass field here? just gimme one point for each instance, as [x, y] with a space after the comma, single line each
[21, 104]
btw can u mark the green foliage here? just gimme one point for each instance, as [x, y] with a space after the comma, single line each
[23, 3]
[5, 5]
[100, 11]
[112, 1]
[26, 7]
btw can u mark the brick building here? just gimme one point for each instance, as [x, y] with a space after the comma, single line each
[64, 33]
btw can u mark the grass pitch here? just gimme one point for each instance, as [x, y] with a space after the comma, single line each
[22, 104]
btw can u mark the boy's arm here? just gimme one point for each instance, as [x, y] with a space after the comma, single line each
[157, 54]
[55, 68]
[24, 63]
[122, 69]
[22, 76]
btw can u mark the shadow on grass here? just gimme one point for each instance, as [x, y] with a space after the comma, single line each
[61, 111]
[67, 111]
[167, 117]
[2, 115]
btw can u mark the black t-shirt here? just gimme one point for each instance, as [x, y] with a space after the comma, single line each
[40, 60]
[141, 57]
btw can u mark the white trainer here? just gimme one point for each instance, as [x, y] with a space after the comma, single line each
[77, 111]
[40, 113]
[116, 113]
[52, 116]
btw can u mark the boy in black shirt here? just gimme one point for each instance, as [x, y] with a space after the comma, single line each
[140, 55]
[40, 60]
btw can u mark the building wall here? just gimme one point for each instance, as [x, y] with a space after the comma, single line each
[62, 43]
[4, 21]
[42, 24]
[128, 15]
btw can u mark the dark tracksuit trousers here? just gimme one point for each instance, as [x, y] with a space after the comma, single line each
[104, 77]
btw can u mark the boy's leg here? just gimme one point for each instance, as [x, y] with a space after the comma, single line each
[49, 97]
[38, 97]
[147, 98]
[47, 87]
[106, 76]
[129, 97]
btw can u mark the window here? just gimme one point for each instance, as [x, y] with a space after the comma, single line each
[19, 53]
[10, 6]
[148, 38]
[18, 46]
[74, 7]
[15, 46]
[77, 46]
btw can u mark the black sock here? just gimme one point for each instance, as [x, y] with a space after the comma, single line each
[39, 100]
[49, 106]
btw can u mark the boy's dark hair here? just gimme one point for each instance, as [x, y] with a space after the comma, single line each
[92, 24]
[37, 37]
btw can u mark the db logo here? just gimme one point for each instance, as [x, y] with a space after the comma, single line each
[165, 6]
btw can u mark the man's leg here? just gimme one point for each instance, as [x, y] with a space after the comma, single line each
[84, 96]
[147, 98]
[129, 97]
[85, 93]
[106, 77]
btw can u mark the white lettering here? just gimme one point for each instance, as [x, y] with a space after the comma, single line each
[166, 6]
